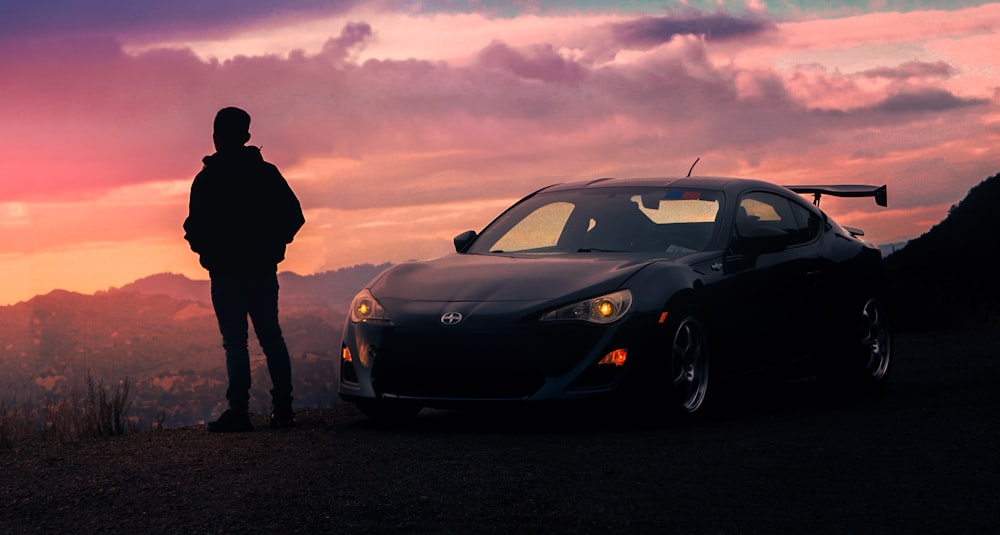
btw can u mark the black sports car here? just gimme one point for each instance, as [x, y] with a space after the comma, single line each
[641, 290]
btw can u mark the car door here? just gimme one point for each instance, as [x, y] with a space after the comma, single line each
[772, 271]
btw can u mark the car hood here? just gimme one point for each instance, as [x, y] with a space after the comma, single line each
[470, 277]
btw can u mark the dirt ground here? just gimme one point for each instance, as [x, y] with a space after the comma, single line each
[922, 457]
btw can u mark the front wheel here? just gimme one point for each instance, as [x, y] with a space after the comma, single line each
[689, 366]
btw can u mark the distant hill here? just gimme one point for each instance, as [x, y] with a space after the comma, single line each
[330, 288]
[160, 333]
[947, 278]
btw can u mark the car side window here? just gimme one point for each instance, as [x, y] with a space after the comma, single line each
[809, 222]
[762, 209]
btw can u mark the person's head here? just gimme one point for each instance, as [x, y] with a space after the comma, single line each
[232, 129]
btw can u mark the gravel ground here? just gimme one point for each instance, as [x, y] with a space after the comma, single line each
[922, 457]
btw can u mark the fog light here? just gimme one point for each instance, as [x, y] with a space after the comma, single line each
[345, 354]
[616, 357]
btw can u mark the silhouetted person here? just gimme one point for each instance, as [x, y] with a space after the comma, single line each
[242, 214]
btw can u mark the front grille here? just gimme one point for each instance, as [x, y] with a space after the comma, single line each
[458, 364]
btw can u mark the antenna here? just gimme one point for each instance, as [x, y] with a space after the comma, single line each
[694, 164]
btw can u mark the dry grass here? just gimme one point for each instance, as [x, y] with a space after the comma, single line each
[16, 423]
[99, 411]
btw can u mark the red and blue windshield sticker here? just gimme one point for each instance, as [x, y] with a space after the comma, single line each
[682, 195]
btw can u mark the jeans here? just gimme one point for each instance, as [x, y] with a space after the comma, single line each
[235, 298]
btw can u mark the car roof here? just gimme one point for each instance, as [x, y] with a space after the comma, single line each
[726, 184]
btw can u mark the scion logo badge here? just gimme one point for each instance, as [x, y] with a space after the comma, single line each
[451, 318]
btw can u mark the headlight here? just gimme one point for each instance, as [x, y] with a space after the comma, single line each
[365, 307]
[604, 309]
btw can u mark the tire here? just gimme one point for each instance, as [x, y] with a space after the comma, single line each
[689, 367]
[863, 359]
[876, 354]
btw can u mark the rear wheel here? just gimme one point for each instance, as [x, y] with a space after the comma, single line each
[876, 341]
[689, 366]
[864, 357]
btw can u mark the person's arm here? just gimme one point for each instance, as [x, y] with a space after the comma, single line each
[194, 223]
[290, 218]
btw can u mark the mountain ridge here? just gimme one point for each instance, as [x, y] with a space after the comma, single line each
[328, 288]
[943, 279]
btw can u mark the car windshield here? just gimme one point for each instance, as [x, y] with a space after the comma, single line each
[655, 220]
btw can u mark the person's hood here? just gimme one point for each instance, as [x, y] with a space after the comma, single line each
[248, 154]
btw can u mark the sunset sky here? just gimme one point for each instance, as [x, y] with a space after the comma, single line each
[402, 123]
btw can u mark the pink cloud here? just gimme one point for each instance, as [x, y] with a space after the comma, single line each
[540, 62]
[910, 70]
[888, 27]
[179, 17]
[133, 119]
[650, 32]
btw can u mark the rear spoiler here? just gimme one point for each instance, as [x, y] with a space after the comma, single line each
[844, 190]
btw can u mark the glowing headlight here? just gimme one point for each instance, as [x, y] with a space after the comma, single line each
[604, 309]
[365, 307]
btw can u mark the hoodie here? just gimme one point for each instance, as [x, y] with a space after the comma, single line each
[241, 214]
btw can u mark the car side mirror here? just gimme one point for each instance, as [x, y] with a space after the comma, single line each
[464, 240]
[761, 240]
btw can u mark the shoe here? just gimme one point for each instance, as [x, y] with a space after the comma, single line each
[282, 419]
[231, 421]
